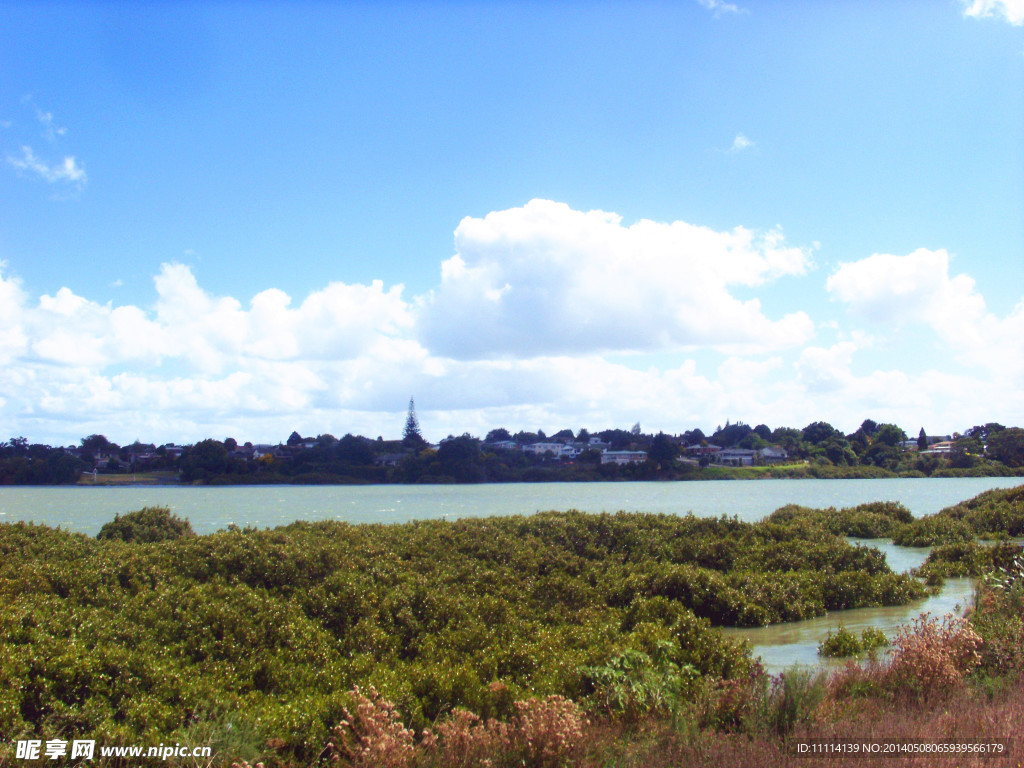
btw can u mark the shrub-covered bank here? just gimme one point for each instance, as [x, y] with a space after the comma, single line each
[147, 635]
[993, 517]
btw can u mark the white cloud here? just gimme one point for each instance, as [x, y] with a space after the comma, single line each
[50, 129]
[13, 340]
[66, 171]
[546, 279]
[941, 400]
[740, 143]
[720, 7]
[1011, 10]
[64, 355]
[515, 336]
[918, 289]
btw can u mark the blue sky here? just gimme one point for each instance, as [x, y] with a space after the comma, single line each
[243, 219]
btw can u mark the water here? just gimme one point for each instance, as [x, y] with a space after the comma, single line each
[84, 509]
[781, 646]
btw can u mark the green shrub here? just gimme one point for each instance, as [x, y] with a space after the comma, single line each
[841, 643]
[266, 630]
[872, 638]
[931, 530]
[998, 616]
[146, 525]
[633, 684]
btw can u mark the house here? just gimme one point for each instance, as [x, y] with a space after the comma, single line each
[172, 451]
[735, 457]
[389, 459]
[551, 450]
[773, 454]
[264, 449]
[503, 445]
[623, 457]
[701, 449]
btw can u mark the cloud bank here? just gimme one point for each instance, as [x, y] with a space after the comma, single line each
[546, 317]
[545, 279]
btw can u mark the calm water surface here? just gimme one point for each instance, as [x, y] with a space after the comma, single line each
[85, 509]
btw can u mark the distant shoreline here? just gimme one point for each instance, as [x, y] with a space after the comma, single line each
[801, 471]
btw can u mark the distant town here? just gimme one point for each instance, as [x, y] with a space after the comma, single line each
[733, 450]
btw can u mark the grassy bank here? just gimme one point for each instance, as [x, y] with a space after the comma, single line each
[159, 477]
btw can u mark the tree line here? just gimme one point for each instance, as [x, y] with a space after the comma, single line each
[817, 450]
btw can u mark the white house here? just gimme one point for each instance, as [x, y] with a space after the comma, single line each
[553, 450]
[623, 457]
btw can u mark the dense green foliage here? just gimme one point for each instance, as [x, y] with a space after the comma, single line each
[999, 617]
[999, 511]
[35, 464]
[265, 631]
[146, 525]
[843, 642]
[874, 520]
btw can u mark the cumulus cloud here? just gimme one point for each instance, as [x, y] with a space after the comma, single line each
[13, 339]
[1011, 10]
[192, 350]
[942, 400]
[545, 279]
[516, 335]
[918, 289]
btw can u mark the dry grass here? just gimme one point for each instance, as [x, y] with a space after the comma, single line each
[965, 716]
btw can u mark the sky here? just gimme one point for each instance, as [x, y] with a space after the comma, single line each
[247, 219]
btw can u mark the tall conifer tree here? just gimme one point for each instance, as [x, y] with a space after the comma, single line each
[411, 435]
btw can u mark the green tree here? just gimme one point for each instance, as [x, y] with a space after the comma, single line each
[663, 450]
[1007, 446]
[460, 459]
[890, 434]
[411, 436]
[203, 461]
[497, 435]
[922, 440]
[731, 434]
[355, 450]
[868, 427]
[818, 432]
[965, 451]
[98, 443]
